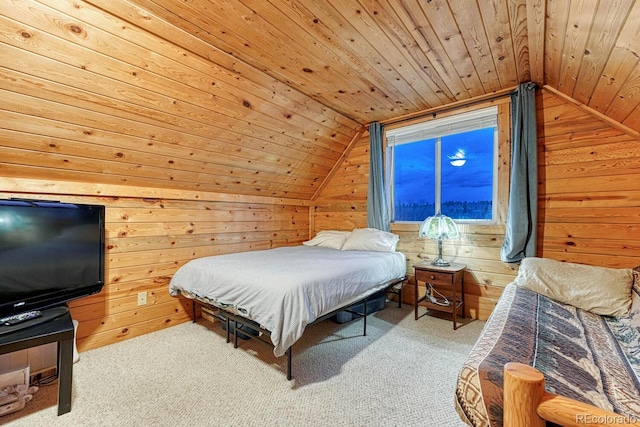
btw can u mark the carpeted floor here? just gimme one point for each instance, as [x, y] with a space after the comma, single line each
[401, 374]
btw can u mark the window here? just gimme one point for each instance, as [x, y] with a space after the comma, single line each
[447, 165]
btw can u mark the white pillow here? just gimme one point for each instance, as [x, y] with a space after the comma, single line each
[371, 239]
[333, 239]
[600, 290]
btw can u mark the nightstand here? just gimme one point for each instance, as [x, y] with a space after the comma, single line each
[446, 281]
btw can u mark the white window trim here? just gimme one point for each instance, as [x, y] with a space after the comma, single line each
[463, 122]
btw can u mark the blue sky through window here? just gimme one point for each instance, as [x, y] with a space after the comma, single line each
[466, 190]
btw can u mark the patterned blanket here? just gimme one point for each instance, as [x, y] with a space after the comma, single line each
[584, 356]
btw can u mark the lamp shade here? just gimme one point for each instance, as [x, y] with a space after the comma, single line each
[439, 227]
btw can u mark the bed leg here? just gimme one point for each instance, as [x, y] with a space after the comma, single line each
[235, 333]
[365, 318]
[194, 311]
[226, 319]
[400, 296]
[289, 376]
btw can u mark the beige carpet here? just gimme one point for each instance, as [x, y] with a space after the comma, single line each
[401, 374]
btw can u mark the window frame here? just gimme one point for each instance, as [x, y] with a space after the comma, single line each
[486, 116]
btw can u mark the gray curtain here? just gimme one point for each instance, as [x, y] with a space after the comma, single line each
[522, 216]
[377, 211]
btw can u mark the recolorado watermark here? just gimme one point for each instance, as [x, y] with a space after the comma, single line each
[605, 419]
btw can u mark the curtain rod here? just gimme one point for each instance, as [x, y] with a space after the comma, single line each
[439, 110]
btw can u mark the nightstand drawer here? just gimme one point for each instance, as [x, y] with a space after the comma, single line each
[434, 277]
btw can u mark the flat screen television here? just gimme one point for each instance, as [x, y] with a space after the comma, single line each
[50, 253]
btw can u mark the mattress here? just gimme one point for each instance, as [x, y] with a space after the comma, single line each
[285, 289]
[590, 358]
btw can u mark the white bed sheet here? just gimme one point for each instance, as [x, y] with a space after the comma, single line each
[287, 288]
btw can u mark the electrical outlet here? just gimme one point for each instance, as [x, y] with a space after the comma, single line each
[45, 373]
[142, 298]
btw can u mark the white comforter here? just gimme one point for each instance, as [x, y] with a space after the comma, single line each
[287, 288]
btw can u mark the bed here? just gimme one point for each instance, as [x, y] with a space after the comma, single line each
[582, 341]
[282, 290]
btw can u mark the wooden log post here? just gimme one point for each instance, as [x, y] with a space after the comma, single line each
[523, 391]
[571, 413]
[527, 404]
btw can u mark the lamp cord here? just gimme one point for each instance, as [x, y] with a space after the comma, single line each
[436, 297]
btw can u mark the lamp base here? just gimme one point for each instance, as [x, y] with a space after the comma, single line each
[440, 263]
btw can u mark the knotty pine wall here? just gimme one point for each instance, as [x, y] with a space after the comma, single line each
[150, 233]
[342, 204]
[589, 192]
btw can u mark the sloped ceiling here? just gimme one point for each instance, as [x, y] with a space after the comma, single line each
[263, 97]
[379, 59]
[368, 60]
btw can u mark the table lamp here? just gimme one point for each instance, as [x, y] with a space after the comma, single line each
[439, 227]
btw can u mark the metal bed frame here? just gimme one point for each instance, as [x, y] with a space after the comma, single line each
[228, 317]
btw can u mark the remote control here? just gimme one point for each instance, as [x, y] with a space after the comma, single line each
[22, 317]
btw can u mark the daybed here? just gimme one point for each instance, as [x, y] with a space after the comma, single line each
[278, 292]
[579, 326]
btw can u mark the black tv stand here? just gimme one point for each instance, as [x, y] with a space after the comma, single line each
[56, 327]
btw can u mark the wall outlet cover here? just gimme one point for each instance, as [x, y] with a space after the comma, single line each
[142, 298]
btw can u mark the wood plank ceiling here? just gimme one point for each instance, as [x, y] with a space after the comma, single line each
[262, 97]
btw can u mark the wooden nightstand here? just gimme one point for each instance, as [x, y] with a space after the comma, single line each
[448, 281]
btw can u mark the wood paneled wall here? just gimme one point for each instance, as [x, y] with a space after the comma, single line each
[150, 233]
[589, 189]
[342, 204]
